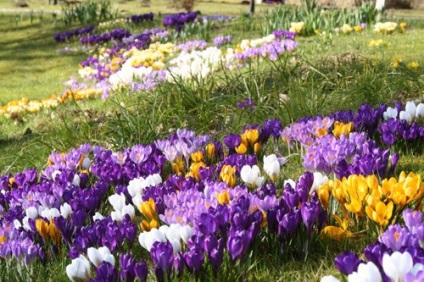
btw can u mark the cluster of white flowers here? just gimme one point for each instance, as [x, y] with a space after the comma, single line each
[174, 233]
[411, 112]
[387, 27]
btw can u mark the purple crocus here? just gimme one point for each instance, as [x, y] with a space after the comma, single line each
[310, 212]
[163, 256]
[194, 259]
[347, 262]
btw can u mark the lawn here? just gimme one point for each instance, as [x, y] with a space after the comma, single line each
[249, 224]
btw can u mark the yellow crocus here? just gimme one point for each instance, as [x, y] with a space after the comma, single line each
[256, 148]
[337, 233]
[241, 149]
[210, 150]
[223, 197]
[197, 156]
[413, 65]
[250, 137]
[144, 225]
[42, 228]
[337, 190]
[178, 166]
[324, 195]
[148, 209]
[194, 170]
[342, 128]
[354, 206]
[372, 182]
[380, 213]
[227, 175]
[54, 233]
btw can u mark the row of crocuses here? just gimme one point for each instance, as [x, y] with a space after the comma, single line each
[192, 205]
[130, 65]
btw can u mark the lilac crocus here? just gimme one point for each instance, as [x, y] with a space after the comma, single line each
[413, 219]
[395, 237]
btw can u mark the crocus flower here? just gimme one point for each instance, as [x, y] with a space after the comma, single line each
[79, 269]
[367, 272]
[347, 262]
[272, 166]
[97, 256]
[397, 265]
[251, 176]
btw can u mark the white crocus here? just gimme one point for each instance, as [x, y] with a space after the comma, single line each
[390, 113]
[97, 216]
[397, 265]
[272, 166]
[116, 216]
[79, 269]
[411, 108]
[404, 115]
[117, 201]
[31, 212]
[186, 232]
[366, 273]
[173, 232]
[251, 176]
[65, 210]
[419, 111]
[50, 213]
[176, 245]
[147, 239]
[97, 256]
[128, 209]
[76, 180]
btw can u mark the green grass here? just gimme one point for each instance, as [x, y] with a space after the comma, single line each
[322, 76]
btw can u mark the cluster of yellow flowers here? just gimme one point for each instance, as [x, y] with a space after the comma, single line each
[396, 62]
[154, 56]
[297, 27]
[17, 107]
[378, 43]
[389, 27]
[347, 28]
[363, 196]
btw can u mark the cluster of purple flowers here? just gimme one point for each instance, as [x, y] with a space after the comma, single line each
[247, 103]
[221, 40]
[178, 20]
[349, 155]
[390, 131]
[271, 50]
[117, 34]
[284, 34]
[68, 35]
[141, 18]
[192, 45]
